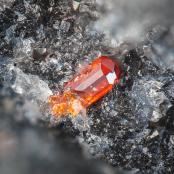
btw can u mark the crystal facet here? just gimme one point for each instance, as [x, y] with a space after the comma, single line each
[93, 82]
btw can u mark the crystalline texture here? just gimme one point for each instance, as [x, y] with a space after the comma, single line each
[93, 82]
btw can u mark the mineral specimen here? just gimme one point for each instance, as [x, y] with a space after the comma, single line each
[42, 44]
[93, 82]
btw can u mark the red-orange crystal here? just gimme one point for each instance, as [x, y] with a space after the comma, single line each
[93, 82]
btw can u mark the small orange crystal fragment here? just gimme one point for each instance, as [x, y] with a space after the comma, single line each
[93, 82]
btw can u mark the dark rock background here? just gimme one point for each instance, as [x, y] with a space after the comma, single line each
[44, 43]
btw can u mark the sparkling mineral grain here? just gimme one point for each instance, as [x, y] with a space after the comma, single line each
[93, 82]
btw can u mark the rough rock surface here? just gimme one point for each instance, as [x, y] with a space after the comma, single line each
[44, 43]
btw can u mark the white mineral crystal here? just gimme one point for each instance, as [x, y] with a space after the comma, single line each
[30, 86]
[22, 47]
[154, 134]
[10, 33]
[65, 26]
[21, 17]
[76, 5]
[149, 99]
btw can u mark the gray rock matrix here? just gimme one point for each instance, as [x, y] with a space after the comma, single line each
[43, 43]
